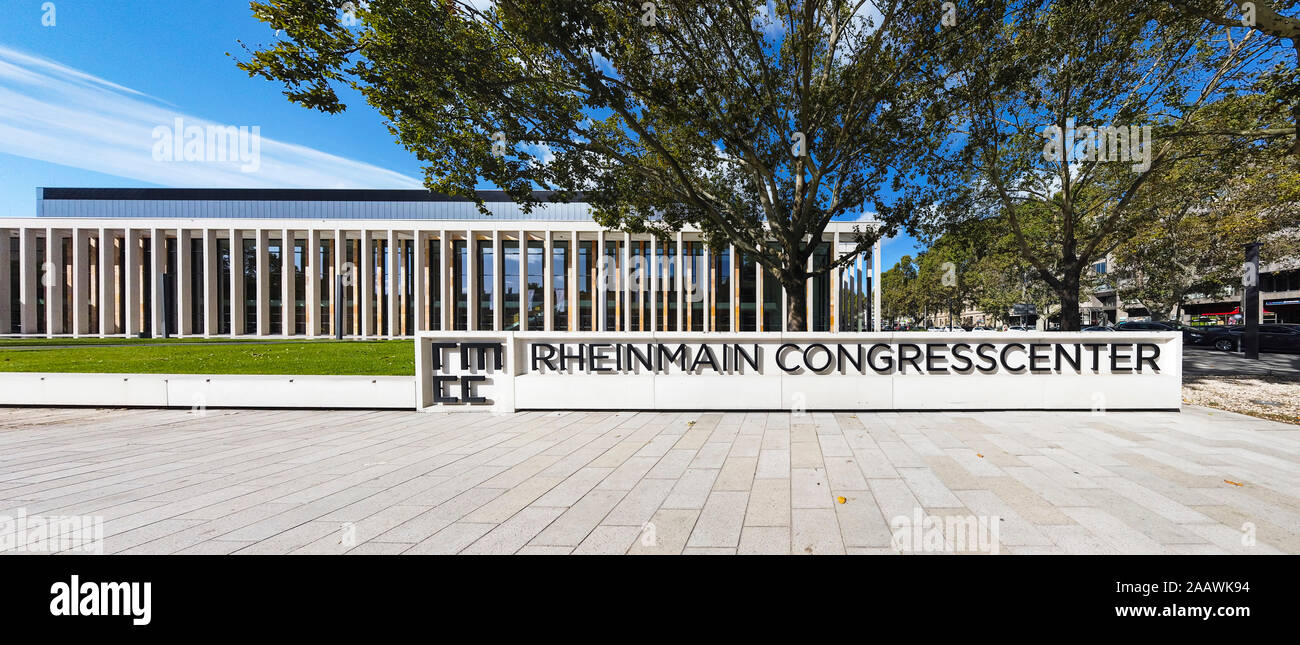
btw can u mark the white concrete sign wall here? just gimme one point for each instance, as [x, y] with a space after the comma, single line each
[206, 390]
[799, 371]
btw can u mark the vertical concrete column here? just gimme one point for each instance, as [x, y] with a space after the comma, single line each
[367, 283]
[498, 281]
[358, 285]
[835, 283]
[446, 288]
[157, 285]
[599, 296]
[677, 280]
[785, 310]
[734, 301]
[184, 278]
[389, 262]
[28, 280]
[337, 295]
[548, 280]
[759, 296]
[403, 277]
[571, 284]
[237, 314]
[311, 270]
[52, 282]
[262, 265]
[288, 284]
[471, 282]
[133, 266]
[211, 278]
[625, 277]
[523, 280]
[421, 280]
[80, 281]
[652, 273]
[862, 304]
[106, 285]
[705, 282]
[808, 290]
[5, 259]
[875, 286]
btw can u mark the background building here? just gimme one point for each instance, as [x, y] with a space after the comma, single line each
[382, 263]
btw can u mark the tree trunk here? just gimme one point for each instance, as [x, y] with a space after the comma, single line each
[1069, 294]
[796, 305]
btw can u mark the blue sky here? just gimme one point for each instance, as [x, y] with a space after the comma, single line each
[79, 101]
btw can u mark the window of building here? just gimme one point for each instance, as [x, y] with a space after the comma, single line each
[559, 285]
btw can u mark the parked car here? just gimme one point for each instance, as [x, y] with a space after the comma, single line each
[1098, 328]
[1274, 338]
[1020, 328]
[1191, 335]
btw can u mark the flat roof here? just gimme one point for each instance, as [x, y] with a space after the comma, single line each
[274, 195]
[297, 203]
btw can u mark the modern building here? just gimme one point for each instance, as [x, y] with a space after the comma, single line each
[383, 263]
[1279, 300]
[1102, 304]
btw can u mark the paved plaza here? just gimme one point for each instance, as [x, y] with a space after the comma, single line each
[362, 482]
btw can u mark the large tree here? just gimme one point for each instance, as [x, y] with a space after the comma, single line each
[759, 122]
[1046, 82]
[1277, 23]
[1193, 238]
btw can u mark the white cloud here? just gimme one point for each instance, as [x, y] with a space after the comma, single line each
[58, 114]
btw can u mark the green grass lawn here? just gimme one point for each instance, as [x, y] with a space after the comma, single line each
[118, 340]
[154, 356]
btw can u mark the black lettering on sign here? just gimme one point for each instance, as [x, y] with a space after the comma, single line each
[1034, 357]
[439, 395]
[931, 358]
[1150, 360]
[1074, 362]
[807, 357]
[990, 360]
[467, 390]
[959, 354]
[1116, 357]
[1095, 347]
[889, 358]
[903, 357]
[548, 359]
[1006, 349]
[842, 355]
[740, 354]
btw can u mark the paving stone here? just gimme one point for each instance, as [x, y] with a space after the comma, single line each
[375, 482]
[720, 521]
[816, 531]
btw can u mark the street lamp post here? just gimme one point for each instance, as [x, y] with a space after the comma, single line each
[1250, 286]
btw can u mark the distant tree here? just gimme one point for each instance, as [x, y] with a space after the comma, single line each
[898, 292]
[1192, 243]
[1042, 84]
